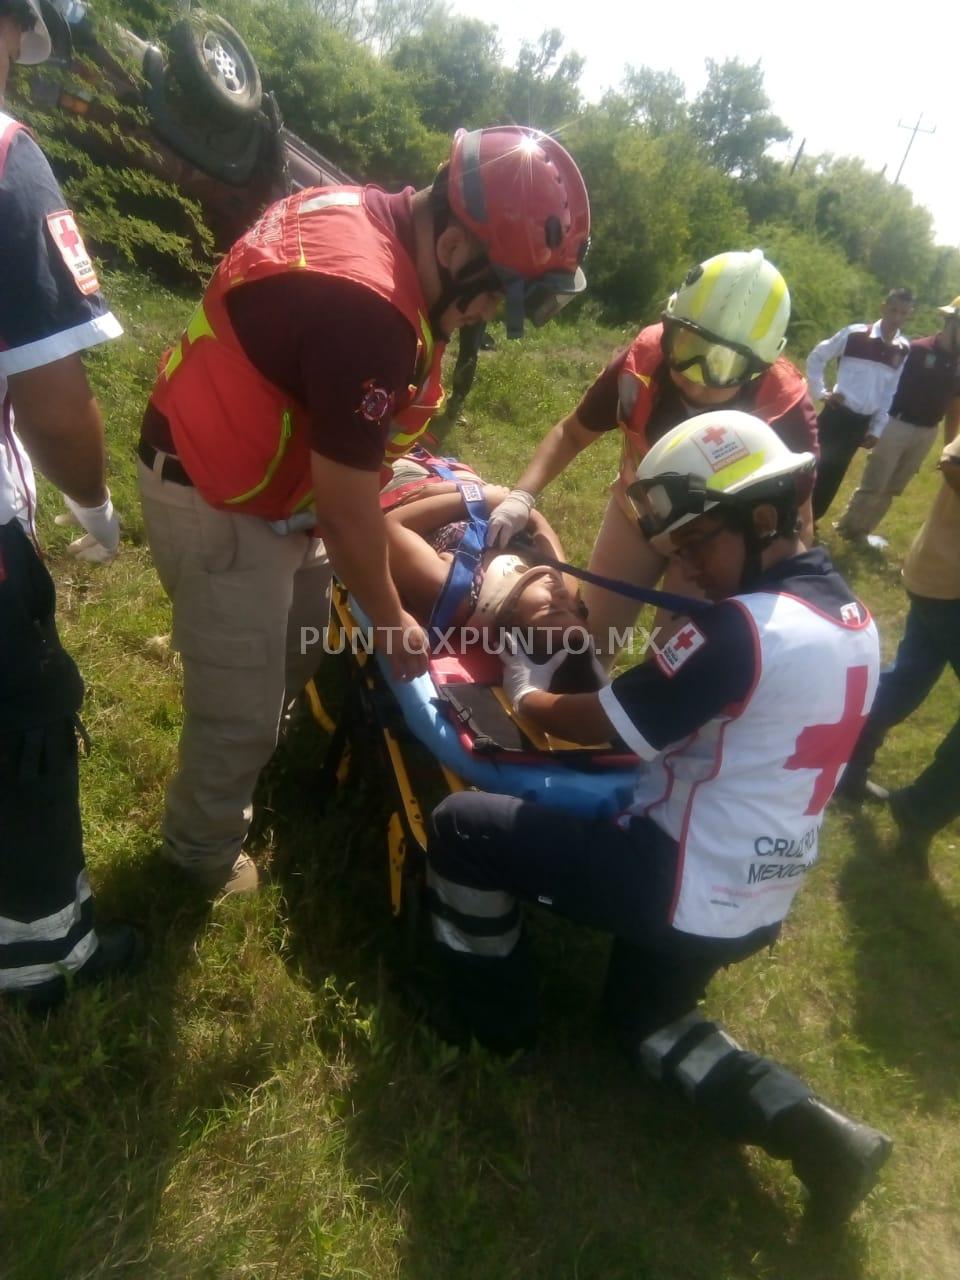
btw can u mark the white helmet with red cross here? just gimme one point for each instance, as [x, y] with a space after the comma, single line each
[722, 459]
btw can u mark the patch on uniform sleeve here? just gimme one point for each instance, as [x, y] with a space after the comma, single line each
[69, 242]
[853, 613]
[376, 402]
[672, 656]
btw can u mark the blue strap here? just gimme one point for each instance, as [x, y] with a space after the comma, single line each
[467, 556]
[646, 595]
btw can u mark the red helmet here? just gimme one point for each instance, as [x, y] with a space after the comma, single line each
[519, 192]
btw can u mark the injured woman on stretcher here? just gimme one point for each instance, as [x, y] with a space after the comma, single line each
[435, 513]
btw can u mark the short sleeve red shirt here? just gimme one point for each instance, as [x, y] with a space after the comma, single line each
[599, 408]
[331, 345]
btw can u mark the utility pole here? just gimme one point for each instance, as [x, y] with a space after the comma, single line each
[915, 129]
[796, 158]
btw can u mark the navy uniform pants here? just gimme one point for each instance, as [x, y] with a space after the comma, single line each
[488, 854]
[46, 926]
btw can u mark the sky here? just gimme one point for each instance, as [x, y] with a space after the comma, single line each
[843, 75]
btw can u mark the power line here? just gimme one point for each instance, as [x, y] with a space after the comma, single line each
[915, 129]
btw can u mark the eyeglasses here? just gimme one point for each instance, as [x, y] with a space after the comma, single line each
[704, 357]
[692, 549]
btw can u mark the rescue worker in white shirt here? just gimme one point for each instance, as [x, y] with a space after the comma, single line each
[51, 310]
[743, 722]
[719, 343]
[869, 361]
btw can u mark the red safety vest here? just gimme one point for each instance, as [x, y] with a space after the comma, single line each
[244, 442]
[777, 391]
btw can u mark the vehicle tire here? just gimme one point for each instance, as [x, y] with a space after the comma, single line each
[211, 63]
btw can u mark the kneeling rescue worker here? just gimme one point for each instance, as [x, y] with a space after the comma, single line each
[743, 721]
[313, 358]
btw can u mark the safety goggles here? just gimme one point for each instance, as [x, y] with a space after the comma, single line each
[704, 358]
[537, 300]
[665, 500]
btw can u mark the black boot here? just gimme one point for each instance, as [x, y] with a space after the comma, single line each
[912, 849]
[837, 1159]
[121, 948]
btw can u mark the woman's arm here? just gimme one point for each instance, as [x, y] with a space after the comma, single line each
[419, 571]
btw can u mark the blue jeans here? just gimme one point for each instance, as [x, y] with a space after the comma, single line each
[931, 640]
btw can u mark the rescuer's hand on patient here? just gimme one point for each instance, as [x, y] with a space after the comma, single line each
[405, 646]
[522, 676]
[101, 540]
[509, 517]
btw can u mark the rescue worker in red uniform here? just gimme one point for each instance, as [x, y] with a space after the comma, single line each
[313, 360]
[719, 344]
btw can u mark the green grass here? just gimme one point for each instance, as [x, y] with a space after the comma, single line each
[258, 1103]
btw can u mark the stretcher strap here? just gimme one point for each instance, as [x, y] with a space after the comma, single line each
[646, 595]
[467, 556]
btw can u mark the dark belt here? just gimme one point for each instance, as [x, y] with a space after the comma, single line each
[170, 468]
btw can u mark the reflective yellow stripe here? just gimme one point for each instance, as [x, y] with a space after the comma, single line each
[769, 309]
[405, 437]
[286, 431]
[682, 436]
[706, 284]
[736, 471]
[198, 326]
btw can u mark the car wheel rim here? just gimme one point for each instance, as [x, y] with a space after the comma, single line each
[223, 63]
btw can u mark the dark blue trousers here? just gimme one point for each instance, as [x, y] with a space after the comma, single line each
[931, 641]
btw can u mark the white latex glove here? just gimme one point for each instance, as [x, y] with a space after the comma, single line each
[510, 517]
[102, 539]
[523, 676]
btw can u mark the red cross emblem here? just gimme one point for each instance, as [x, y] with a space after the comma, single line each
[714, 435]
[684, 638]
[69, 236]
[826, 748]
[70, 246]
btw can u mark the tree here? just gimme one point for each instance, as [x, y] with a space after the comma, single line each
[454, 73]
[732, 119]
[826, 291]
[541, 90]
[655, 100]
[387, 22]
[656, 210]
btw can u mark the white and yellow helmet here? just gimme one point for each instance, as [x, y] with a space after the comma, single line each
[728, 320]
[726, 458]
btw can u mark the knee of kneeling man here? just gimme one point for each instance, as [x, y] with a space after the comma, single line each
[466, 816]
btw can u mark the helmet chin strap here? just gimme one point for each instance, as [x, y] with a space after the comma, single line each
[459, 289]
[741, 521]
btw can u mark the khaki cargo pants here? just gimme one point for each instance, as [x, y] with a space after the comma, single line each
[240, 594]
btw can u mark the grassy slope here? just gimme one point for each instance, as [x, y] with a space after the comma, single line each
[258, 1104]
